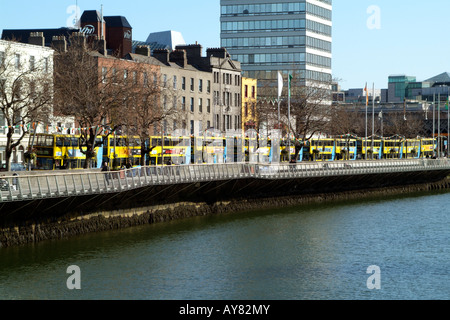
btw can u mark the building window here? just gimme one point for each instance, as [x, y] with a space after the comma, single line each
[104, 74]
[192, 127]
[200, 105]
[183, 83]
[183, 103]
[17, 61]
[192, 104]
[145, 79]
[200, 85]
[208, 106]
[192, 84]
[175, 82]
[32, 63]
[208, 86]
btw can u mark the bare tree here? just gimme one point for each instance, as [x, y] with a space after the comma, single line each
[153, 101]
[91, 88]
[25, 94]
[309, 110]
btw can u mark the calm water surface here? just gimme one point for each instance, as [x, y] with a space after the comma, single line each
[314, 252]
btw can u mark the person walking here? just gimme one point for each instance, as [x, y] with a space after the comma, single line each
[105, 168]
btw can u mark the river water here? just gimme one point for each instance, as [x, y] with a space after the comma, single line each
[318, 252]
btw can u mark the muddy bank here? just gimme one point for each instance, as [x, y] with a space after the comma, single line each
[63, 227]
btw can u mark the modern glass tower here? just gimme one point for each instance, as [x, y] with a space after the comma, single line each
[268, 36]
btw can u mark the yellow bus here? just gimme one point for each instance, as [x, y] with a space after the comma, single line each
[59, 151]
[120, 151]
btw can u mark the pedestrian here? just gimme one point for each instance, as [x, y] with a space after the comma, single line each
[105, 169]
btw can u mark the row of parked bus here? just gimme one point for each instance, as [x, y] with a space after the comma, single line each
[57, 151]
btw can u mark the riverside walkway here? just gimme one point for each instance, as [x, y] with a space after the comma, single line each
[59, 184]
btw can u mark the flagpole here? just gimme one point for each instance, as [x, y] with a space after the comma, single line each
[434, 119]
[367, 103]
[289, 117]
[439, 125]
[373, 115]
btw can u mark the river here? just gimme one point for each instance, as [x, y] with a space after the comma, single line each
[317, 252]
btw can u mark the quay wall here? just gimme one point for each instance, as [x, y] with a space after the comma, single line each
[61, 218]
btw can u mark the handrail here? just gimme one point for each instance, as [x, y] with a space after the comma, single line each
[75, 183]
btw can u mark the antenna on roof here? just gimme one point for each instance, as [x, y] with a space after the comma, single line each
[101, 23]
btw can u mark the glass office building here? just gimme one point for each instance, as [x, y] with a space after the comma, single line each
[268, 36]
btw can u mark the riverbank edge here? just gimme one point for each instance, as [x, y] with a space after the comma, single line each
[120, 219]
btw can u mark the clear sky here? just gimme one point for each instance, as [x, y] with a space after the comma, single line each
[372, 39]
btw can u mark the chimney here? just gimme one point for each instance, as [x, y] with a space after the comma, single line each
[162, 55]
[193, 51]
[99, 45]
[37, 38]
[59, 43]
[143, 50]
[79, 39]
[179, 57]
[217, 52]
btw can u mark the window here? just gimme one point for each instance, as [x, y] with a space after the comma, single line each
[32, 63]
[192, 104]
[46, 65]
[183, 103]
[17, 61]
[208, 86]
[175, 82]
[145, 79]
[192, 127]
[183, 83]
[175, 102]
[200, 85]
[192, 84]
[208, 106]
[200, 105]
[104, 74]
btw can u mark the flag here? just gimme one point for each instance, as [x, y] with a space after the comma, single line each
[446, 104]
[280, 84]
[367, 94]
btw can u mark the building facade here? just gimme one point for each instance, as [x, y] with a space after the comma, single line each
[268, 36]
[29, 64]
[249, 101]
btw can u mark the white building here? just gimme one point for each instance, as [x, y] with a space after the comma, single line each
[31, 64]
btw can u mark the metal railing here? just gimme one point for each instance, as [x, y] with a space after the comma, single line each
[78, 183]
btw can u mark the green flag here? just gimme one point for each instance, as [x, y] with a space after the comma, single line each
[446, 104]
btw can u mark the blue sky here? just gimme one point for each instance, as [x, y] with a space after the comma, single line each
[403, 37]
